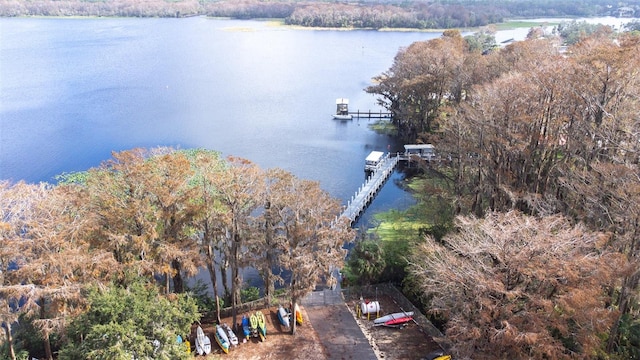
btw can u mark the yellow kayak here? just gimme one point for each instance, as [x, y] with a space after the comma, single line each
[253, 319]
[299, 319]
[262, 325]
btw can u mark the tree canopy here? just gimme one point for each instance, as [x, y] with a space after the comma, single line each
[547, 132]
[155, 214]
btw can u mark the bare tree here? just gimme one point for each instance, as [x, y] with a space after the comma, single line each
[515, 286]
[240, 190]
[311, 242]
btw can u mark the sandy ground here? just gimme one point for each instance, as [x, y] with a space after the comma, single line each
[341, 338]
[279, 344]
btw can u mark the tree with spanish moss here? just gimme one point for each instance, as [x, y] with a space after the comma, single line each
[515, 286]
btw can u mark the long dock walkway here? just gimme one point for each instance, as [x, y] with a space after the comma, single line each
[358, 203]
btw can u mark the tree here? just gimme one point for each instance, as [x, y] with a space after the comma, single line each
[211, 223]
[423, 78]
[366, 261]
[269, 229]
[240, 189]
[140, 206]
[575, 31]
[515, 286]
[49, 258]
[16, 205]
[311, 239]
[168, 188]
[633, 25]
[131, 322]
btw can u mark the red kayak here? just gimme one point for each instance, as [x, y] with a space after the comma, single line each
[398, 320]
[392, 318]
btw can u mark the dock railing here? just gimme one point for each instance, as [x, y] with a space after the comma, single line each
[371, 114]
[365, 193]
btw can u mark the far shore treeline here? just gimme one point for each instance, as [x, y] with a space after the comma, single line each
[437, 14]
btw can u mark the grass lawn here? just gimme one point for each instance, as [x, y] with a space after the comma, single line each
[516, 24]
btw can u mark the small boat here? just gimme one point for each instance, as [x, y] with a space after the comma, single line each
[222, 339]
[283, 316]
[299, 318]
[394, 319]
[233, 339]
[262, 325]
[246, 327]
[200, 340]
[342, 110]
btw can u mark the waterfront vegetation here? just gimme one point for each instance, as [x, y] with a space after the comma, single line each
[137, 226]
[538, 186]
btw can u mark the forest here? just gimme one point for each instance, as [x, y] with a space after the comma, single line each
[435, 14]
[535, 251]
[134, 229]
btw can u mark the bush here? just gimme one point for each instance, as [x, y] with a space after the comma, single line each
[249, 294]
[133, 322]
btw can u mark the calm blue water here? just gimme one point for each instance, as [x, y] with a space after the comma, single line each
[74, 90]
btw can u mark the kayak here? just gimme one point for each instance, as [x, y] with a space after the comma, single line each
[400, 316]
[283, 316]
[262, 325]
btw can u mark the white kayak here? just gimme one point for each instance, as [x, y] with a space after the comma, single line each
[233, 339]
[283, 316]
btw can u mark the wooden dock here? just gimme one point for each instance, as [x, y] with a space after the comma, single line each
[362, 198]
[371, 114]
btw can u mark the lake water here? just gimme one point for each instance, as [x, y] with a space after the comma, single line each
[74, 90]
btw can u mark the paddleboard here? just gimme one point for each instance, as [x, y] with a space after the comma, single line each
[262, 325]
[207, 345]
[222, 338]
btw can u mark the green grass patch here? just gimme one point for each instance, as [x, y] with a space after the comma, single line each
[398, 226]
[384, 127]
[523, 24]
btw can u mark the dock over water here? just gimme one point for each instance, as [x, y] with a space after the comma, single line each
[382, 166]
[371, 114]
[361, 199]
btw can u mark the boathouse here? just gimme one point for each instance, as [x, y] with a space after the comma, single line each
[419, 151]
[342, 106]
[373, 160]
